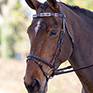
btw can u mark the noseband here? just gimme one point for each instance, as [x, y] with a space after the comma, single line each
[56, 54]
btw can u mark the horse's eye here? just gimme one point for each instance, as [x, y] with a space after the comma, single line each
[53, 32]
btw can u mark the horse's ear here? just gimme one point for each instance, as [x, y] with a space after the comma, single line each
[34, 4]
[53, 4]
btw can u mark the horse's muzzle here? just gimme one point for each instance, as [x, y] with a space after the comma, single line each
[33, 87]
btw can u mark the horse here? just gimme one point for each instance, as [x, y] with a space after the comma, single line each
[59, 32]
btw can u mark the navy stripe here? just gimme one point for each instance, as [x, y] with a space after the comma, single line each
[47, 15]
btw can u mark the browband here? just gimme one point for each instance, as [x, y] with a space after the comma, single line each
[48, 15]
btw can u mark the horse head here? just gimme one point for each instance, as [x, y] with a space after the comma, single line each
[48, 37]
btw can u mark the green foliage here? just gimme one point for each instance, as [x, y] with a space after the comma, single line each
[70, 2]
[13, 29]
[87, 4]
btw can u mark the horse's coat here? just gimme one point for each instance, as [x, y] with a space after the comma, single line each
[77, 45]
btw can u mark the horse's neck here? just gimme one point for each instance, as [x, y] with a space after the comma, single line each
[87, 16]
[84, 13]
[83, 47]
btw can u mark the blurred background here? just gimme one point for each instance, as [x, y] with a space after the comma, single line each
[15, 17]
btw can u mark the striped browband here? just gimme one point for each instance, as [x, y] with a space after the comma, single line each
[48, 15]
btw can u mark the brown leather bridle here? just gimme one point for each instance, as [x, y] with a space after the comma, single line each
[56, 54]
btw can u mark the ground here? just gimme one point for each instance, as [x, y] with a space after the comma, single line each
[11, 79]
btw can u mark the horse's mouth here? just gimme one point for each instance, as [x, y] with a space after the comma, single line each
[31, 90]
[36, 91]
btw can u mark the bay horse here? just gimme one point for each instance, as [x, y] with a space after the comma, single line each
[59, 32]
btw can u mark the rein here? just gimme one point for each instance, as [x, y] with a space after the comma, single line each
[56, 54]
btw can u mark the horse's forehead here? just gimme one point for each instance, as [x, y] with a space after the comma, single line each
[37, 27]
[42, 24]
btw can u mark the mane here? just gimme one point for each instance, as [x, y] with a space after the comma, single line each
[86, 12]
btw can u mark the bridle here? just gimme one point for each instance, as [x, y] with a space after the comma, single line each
[56, 54]
[59, 45]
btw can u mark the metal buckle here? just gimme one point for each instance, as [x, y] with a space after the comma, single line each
[49, 72]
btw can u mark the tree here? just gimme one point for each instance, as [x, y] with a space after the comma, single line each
[14, 24]
[87, 4]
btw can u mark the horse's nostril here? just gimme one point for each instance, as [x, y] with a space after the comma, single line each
[33, 86]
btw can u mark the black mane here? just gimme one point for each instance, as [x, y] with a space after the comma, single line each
[76, 8]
